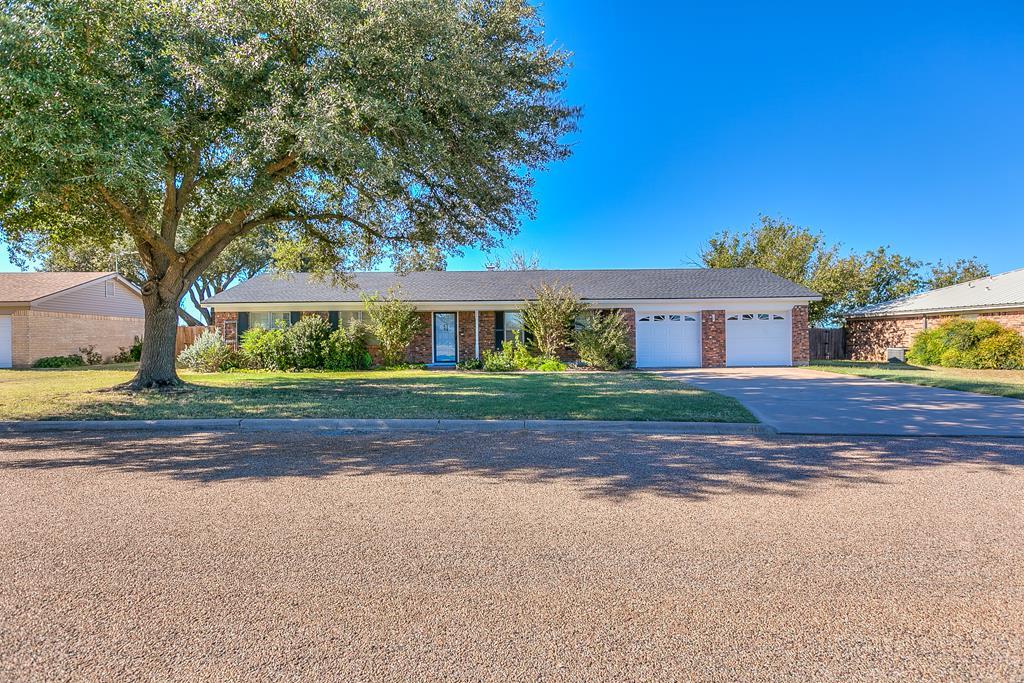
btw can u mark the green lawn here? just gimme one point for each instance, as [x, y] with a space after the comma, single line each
[996, 382]
[79, 394]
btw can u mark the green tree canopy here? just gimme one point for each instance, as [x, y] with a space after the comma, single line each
[961, 270]
[357, 131]
[845, 280]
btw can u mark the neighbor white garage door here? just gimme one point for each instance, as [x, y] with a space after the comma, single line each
[5, 341]
[667, 339]
[758, 339]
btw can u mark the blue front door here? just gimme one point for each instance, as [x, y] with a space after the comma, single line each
[444, 337]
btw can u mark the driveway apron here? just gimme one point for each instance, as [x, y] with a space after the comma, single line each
[802, 401]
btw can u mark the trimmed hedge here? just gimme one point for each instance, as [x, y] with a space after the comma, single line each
[71, 361]
[976, 344]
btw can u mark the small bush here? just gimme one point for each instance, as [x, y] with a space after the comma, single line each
[961, 343]
[130, 355]
[551, 365]
[470, 364]
[394, 323]
[549, 317]
[346, 348]
[91, 356]
[208, 353]
[70, 361]
[603, 343]
[267, 349]
[307, 341]
[515, 356]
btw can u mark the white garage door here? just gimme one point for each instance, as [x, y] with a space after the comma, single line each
[5, 341]
[758, 339]
[669, 339]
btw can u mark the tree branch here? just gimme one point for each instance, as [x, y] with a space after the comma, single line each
[138, 231]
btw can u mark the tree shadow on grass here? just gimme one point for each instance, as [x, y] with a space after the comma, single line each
[615, 466]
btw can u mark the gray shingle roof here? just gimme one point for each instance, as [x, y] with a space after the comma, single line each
[1005, 290]
[27, 287]
[482, 286]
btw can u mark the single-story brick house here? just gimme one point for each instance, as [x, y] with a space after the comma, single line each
[894, 324]
[54, 314]
[680, 317]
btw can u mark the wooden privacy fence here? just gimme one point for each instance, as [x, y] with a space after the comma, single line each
[828, 343]
[187, 335]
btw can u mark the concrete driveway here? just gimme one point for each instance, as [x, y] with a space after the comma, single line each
[802, 401]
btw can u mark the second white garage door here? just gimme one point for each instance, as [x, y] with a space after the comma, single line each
[758, 339]
[667, 340]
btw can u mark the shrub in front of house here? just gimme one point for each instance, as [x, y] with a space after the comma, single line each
[132, 354]
[603, 341]
[549, 318]
[267, 349]
[961, 343]
[347, 348]
[307, 340]
[514, 355]
[90, 354]
[69, 361]
[394, 323]
[208, 353]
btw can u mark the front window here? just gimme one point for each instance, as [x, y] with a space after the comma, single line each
[268, 320]
[513, 328]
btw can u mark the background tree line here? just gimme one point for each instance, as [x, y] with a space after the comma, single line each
[845, 280]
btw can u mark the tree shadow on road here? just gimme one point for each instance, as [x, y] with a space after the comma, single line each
[600, 465]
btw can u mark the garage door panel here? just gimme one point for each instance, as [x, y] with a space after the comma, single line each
[758, 338]
[666, 339]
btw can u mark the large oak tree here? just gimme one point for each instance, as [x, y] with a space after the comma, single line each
[357, 130]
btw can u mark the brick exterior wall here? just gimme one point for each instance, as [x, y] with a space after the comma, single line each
[801, 336]
[421, 349]
[38, 334]
[712, 337]
[227, 324]
[868, 338]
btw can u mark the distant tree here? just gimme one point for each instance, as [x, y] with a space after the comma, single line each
[516, 260]
[961, 270]
[845, 281]
[356, 131]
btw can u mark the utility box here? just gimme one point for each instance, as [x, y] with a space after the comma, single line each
[896, 355]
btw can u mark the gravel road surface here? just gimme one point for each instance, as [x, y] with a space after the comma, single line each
[509, 557]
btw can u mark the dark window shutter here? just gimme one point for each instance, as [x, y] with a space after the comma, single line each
[243, 323]
[499, 328]
[296, 316]
[332, 318]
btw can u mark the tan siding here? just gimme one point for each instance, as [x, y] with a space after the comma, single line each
[92, 299]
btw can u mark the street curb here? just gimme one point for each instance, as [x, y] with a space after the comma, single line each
[323, 425]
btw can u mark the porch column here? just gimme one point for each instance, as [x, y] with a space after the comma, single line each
[476, 319]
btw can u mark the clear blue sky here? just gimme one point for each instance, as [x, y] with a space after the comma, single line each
[895, 123]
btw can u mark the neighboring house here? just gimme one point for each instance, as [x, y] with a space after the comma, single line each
[53, 314]
[679, 317]
[872, 330]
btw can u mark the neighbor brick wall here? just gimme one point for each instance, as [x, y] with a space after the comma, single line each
[801, 336]
[37, 334]
[867, 339]
[712, 337]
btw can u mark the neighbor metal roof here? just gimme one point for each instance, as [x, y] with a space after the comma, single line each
[486, 285]
[27, 287]
[1005, 290]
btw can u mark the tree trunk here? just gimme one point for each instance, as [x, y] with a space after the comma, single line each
[156, 368]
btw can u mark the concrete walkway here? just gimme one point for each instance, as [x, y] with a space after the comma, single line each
[802, 401]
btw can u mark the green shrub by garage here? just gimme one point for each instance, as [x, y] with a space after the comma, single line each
[974, 344]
